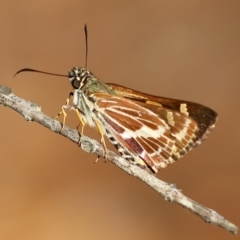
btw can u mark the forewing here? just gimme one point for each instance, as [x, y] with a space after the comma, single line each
[204, 117]
[158, 139]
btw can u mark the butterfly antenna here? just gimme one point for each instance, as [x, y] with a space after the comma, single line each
[34, 70]
[86, 39]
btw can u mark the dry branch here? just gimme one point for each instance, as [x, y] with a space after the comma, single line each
[32, 112]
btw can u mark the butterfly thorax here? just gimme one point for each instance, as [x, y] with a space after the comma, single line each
[85, 86]
[84, 81]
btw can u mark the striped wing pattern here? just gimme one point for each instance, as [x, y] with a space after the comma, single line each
[204, 117]
[154, 137]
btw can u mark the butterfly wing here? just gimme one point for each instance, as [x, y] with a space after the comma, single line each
[151, 132]
[204, 117]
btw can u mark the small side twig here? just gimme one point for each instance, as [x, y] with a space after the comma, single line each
[32, 112]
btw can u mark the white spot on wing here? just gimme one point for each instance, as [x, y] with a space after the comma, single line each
[148, 132]
[170, 118]
[183, 109]
[125, 135]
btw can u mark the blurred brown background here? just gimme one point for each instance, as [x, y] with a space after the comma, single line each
[50, 189]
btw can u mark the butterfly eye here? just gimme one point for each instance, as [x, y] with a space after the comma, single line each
[75, 84]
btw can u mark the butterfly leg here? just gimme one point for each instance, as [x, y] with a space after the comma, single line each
[66, 105]
[102, 141]
[82, 123]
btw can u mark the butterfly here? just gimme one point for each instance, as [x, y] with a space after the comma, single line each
[149, 131]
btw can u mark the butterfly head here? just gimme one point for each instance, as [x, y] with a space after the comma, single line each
[78, 77]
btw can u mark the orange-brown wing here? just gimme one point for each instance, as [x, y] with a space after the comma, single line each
[204, 117]
[158, 141]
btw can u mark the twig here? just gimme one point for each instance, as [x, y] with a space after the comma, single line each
[32, 112]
